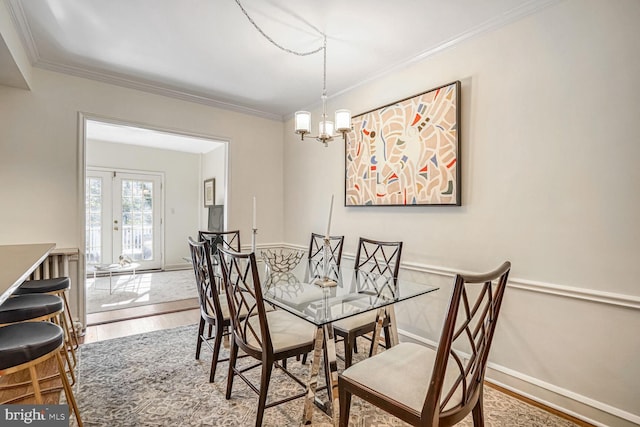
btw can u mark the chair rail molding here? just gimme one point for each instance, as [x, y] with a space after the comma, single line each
[592, 295]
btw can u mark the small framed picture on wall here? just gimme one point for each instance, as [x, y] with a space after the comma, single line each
[209, 192]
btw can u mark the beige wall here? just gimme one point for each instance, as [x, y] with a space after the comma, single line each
[549, 165]
[39, 165]
[550, 181]
[41, 159]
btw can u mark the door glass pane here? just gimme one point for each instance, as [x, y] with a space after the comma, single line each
[93, 206]
[137, 219]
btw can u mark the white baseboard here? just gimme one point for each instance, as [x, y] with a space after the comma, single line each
[584, 400]
[182, 266]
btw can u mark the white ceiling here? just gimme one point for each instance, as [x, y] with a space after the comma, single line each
[207, 51]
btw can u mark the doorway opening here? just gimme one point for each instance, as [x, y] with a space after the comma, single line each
[143, 198]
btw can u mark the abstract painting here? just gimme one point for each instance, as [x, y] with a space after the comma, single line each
[406, 153]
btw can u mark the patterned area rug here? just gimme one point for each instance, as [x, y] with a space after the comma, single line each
[154, 380]
[142, 289]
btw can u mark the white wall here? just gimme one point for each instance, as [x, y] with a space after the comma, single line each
[39, 165]
[41, 159]
[550, 181]
[182, 187]
[213, 166]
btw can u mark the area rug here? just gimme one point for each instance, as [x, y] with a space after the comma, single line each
[154, 380]
[140, 289]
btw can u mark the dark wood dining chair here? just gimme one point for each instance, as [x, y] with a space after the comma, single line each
[268, 336]
[315, 255]
[227, 239]
[426, 387]
[214, 310]
[315, 259]
[377, 263]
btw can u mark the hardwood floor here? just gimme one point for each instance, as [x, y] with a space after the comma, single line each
[171, 315]
[142, 311]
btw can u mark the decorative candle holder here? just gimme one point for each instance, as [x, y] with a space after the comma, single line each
[281, 260]
[253, 240]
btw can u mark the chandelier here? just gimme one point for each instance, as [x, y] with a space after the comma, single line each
[302, 119]
[326, 127]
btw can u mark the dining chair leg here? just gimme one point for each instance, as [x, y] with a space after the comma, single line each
[217, 343]
[349, 343]
[199, 342]
[387, 341]
[345, 407]
[68, 391]
[264, 388]
[69, 321]
[478, 412]
[387, 336]
[233, 355]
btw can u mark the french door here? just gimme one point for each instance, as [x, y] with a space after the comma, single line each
[123, 217]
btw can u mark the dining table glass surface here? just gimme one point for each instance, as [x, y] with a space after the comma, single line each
[352, 292]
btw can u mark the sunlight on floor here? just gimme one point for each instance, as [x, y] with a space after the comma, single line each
[130, 290]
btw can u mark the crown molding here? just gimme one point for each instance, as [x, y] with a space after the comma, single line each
[17, 14]
[150, 87]
[530, 8]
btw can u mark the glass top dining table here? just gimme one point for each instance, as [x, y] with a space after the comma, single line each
[305, 292]
[351, 292]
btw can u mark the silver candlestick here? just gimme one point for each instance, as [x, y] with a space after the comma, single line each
[253, 240]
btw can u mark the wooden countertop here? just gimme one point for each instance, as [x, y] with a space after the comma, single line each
[17, 262]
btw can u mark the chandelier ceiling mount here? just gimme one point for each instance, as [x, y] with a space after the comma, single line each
[302, 119]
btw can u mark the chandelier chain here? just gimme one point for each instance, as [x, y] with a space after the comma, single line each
[273, 42]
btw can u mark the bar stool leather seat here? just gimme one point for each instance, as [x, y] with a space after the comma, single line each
[28, 307]
[23, 342]
[43, 286]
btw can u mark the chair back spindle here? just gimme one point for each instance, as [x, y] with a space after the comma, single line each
[226, 239]
[377, 264]
[465, 343]
[207, 283]
[316, 256]
[244, 295]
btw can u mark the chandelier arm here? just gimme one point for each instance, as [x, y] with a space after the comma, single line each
[273, 42]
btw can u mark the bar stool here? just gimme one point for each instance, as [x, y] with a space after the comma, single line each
[34, 308]
[57, 286]
[27, 344]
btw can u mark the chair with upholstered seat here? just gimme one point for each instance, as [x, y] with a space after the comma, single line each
[56, 286]
[214, 310]
[25, 345]
[34, 308]
[376, 264]
[426, 387]
[268, 336]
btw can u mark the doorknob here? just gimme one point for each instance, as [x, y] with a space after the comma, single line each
[115, 227]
